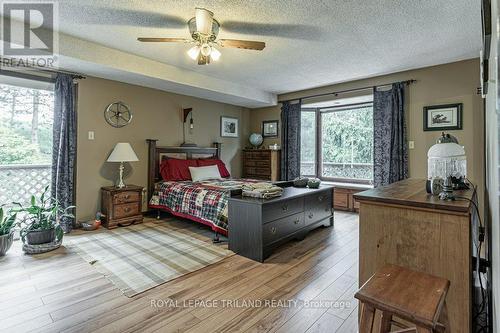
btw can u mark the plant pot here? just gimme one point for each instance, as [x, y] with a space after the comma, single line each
[36, 237]
[5, 243]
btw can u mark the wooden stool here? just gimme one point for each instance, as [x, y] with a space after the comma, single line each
[415, 297]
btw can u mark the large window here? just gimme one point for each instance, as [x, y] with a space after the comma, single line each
[308, 142]
[26, 116]
[337, 143]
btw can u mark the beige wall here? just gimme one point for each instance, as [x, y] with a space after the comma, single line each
[449, 83]
[157, 114]
[257, 116]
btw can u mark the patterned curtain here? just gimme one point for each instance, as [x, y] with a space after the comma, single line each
[64, 145]
[389, 139]
[290, 140]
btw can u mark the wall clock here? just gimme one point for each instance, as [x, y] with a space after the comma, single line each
[118, 114]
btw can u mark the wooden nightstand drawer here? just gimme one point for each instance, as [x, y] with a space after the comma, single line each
[125, 210]
[124, 197]
[121, 206]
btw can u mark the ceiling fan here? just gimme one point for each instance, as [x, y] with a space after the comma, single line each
[204, 30]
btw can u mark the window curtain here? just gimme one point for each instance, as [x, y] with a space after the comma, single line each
[290, 140]
[64, 145]
[389, 139]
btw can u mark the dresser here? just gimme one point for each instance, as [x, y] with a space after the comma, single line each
[403, 225]
[121, 206]
[261, 164]
[257, 226]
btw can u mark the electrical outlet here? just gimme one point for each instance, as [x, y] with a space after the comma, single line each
[411, 144]
[91, 135]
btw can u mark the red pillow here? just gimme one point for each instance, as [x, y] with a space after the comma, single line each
[176, 169]
[224, 173]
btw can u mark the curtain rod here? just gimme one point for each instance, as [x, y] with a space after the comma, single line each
[407, 82]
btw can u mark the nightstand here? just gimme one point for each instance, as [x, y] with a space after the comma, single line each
[121, 206]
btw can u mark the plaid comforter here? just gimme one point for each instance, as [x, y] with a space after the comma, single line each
[205, 200]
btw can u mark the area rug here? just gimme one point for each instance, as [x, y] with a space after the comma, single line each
[143, 256]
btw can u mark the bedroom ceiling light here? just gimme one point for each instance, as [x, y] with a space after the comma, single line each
[194, 52]
[204, 30]
[215, 55]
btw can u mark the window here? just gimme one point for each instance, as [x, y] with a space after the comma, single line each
[26, 117]
[344, 143]
[308, 142]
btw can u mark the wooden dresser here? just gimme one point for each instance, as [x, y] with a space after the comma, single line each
[259, 225]
[261, 164]
[121, 206]
[403, 225]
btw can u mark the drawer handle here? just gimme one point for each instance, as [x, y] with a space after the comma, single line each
[310, 215]
[273, 230]
[321, 198]
[127, 209]
[297, 221]
[127, 196]
[284, 208]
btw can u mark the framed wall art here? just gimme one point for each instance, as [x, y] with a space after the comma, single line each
[443, 117]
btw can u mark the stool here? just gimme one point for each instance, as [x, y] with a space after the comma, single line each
[415, 297]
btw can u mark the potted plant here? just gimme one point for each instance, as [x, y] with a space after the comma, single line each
[40, 223]
[7, 223]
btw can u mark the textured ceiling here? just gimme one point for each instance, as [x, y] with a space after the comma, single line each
[308, 43]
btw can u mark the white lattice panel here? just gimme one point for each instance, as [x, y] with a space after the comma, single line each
[19, 182]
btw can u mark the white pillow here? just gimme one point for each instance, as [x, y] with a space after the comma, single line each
[205, 172]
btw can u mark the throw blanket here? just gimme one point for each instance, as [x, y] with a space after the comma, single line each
[262, 190]
[205, 200]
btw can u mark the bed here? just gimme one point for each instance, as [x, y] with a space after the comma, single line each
[204, 202]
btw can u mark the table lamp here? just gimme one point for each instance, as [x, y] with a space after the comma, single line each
[123, 152]
[446, 161]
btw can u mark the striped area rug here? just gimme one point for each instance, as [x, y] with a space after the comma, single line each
[143, 256]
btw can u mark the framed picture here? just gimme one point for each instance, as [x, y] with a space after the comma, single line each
[443, 117]
[270, 129]
[228, 127]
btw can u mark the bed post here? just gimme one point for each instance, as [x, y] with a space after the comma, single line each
[217, 146]
[151, 166]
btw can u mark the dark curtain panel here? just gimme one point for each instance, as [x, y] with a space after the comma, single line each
[290, 140]
[389, 139]
[64, 145]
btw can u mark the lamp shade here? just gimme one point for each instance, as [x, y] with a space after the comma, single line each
[123, 152]
[446, 150]
[446, 159]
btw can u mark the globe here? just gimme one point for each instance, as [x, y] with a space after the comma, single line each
[256, 139]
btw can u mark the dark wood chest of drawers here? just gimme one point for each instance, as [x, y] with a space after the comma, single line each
[121, 206]
[257, 226]
[261, 164]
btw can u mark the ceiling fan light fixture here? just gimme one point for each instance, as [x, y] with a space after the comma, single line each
[206, 50]
[215, 54]
[194, 52]
[204, 20]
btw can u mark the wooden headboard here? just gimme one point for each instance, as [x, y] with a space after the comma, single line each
[156, 154]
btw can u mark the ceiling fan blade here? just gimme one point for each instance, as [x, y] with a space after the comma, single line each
[242, 44]
[295, 31]
[164, 40]
[204, 20]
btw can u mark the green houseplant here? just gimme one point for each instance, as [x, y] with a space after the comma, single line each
[7, 224]
[40, 222]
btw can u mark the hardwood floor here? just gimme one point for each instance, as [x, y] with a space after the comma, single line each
[314, 279]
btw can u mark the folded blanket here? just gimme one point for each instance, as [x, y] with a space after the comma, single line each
[260, 186]
[262, 190]
[262, 195]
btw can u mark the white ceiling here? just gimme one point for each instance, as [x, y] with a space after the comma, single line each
[308, 43]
